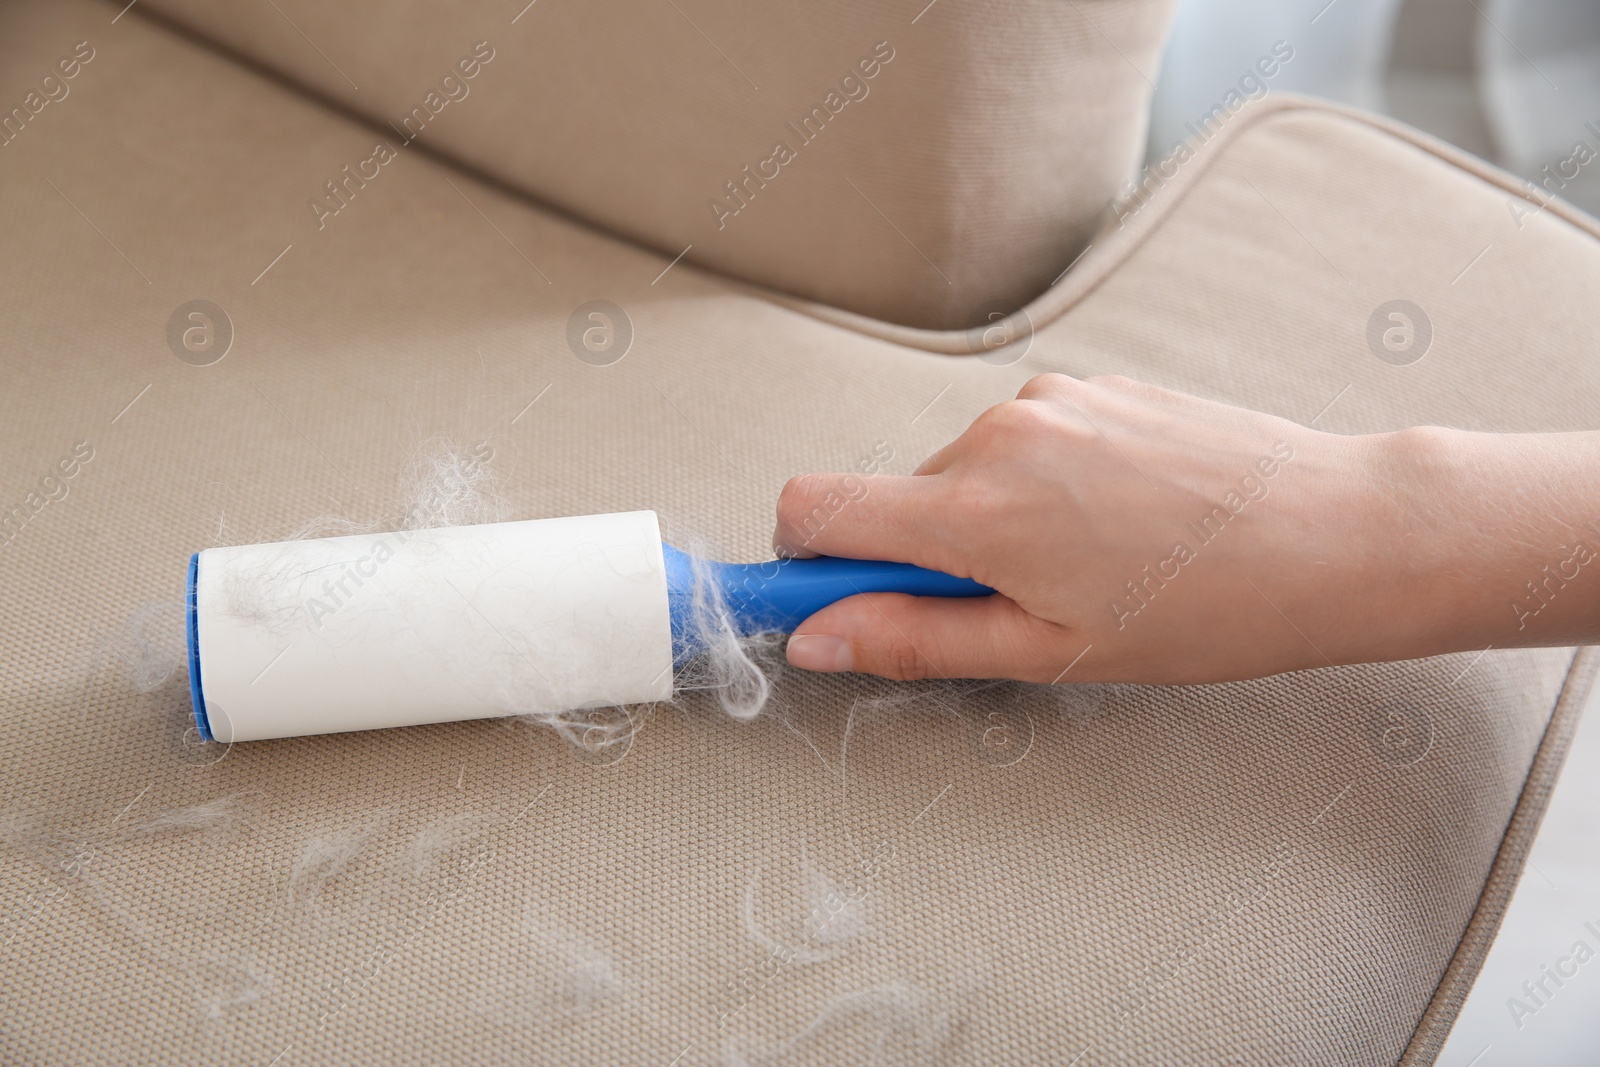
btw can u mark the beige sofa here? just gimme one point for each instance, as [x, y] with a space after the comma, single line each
[1303, 869]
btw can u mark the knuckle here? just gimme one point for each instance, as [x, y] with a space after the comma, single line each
[797, 495]
[1045, 385]
[809, 504]
[789, 498]
[904, 663]
[798, 512]
[1134, 387]
[1012, 417]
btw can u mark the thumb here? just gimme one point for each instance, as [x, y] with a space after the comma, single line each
[909, 637]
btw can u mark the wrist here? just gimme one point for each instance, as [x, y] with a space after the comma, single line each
[1470, 528]
[1425, 493]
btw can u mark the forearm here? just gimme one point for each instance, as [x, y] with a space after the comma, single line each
[1496, 537]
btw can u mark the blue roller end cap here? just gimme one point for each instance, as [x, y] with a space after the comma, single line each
[192, 630]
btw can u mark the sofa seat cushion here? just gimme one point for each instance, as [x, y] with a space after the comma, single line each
[1304, 868]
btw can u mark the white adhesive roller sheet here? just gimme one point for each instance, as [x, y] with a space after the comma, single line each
[396, 629]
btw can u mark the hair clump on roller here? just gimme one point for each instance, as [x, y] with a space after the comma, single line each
[740, 670]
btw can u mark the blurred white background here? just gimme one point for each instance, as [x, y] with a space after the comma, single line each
[1516, 82]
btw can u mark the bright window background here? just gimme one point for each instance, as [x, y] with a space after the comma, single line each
[1514, 81]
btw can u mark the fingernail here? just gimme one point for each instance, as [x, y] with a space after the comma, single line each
[819, 652]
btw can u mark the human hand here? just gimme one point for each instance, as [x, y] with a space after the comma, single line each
[1137, 534]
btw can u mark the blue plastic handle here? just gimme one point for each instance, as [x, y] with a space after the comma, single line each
[780, 594]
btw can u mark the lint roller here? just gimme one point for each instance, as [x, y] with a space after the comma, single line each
[397, 629]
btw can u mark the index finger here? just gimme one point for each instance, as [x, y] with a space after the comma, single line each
[882, 517]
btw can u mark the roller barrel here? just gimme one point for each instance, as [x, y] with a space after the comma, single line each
[402, 628]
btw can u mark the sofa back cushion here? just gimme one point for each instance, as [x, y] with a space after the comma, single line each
[928, 165]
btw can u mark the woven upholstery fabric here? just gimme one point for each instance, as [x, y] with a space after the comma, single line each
[1242, 873]
[957, 180]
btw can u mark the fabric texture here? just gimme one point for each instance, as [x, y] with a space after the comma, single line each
[1245, 873]
[950, 183]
